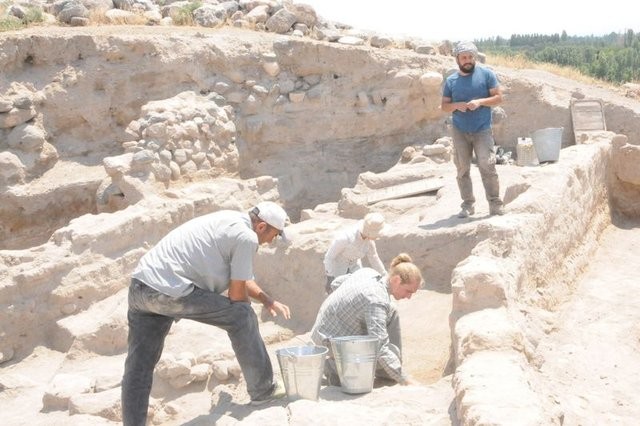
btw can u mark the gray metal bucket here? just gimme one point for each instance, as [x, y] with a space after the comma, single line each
[356, 358]
[547, 143]
[302, 368]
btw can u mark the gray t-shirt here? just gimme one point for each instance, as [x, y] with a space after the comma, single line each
[206, 252]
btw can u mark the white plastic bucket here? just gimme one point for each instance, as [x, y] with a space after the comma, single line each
[547, 143]
[526, 153]
[302, 368]
[356, 358]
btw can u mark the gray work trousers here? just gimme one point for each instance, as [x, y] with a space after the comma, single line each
[464, 144]
[395, 344]
[151, 315]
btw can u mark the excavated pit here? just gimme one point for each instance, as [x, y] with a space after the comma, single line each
[75, 222]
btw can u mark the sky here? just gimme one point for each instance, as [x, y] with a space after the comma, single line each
[473, 19]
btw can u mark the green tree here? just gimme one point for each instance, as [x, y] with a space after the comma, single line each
[612, 57]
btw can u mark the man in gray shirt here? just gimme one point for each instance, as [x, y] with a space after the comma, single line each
[184, 276]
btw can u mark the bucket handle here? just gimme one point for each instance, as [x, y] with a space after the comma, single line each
[291, 357]
[293, 360]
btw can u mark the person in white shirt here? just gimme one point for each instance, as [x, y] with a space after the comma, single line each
[350, 245]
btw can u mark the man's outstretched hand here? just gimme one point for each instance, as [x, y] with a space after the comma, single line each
[279, 308]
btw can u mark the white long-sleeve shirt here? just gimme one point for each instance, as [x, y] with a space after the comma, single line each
[347, 250]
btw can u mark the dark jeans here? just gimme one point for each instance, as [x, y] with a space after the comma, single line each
[151, 315]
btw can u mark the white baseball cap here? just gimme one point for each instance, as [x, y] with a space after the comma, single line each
[272, 214]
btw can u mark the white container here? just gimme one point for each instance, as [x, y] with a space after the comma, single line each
[356, 358]
[526, 153]
[302, 368]
[547, 143]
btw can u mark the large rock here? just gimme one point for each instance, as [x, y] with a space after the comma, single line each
[105, 404]
[486, 330]
[12, 171]
[62, 388]
[27, 138]
[281, 21]
[16, 116]
[496, 387]
[304, 13]
[626, 159]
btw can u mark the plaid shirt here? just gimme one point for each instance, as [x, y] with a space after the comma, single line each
[359, 306]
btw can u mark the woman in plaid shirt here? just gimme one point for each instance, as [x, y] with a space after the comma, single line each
[361, 305]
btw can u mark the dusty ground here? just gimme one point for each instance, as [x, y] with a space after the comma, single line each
[589, 361]
[592, 357]
[426, 335]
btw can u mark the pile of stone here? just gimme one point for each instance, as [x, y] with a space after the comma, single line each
[27, 152]
[281, 17]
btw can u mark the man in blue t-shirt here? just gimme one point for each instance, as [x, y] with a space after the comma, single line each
[469, 95]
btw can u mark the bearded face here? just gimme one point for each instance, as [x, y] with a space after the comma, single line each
[466, 62]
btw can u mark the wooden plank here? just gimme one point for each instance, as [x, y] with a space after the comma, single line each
[404, 190]
[587, 115]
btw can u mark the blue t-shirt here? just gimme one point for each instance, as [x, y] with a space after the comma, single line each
[465, 88]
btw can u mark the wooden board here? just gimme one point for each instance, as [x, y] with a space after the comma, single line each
[587, 116]
[404, 190]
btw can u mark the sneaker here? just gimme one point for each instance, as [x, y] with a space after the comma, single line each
[497, 210]
[466, 211]
[277, 392]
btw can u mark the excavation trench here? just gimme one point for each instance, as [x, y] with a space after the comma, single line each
[74, 226]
